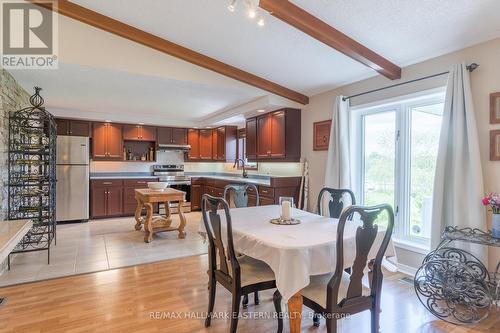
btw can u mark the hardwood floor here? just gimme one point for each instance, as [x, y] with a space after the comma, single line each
[140, 299]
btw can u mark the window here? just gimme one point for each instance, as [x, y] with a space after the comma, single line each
[395, 147]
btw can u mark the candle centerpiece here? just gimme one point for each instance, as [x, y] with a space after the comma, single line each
[286, 204]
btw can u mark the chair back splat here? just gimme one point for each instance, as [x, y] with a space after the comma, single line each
[337, 203]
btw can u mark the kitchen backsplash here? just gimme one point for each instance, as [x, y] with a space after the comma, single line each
[162, 157]
[171, 157]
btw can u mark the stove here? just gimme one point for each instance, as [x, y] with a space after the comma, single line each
[171, 173]
[174, 175]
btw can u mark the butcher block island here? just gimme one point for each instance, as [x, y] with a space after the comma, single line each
[146, 198]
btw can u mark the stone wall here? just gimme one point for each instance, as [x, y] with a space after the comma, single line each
[12, 97]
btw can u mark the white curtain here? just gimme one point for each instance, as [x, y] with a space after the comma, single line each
[458, 184]
[338, 170]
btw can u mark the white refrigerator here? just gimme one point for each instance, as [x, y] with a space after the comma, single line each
[72, 193]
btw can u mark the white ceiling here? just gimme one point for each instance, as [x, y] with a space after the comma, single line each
[103, 74]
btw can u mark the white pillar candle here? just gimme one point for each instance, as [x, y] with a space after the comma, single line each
[285, 210]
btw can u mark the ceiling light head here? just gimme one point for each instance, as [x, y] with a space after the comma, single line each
[261, 111]
[107, 121]
[232, 5]
[252, 13]
[261, 22]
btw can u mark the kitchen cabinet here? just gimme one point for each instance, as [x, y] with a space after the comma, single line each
[139, 133]
[172, 135]
[264, 133]
[194, 141]
[224, 143]
[196, 193]
[274, 136]
[129, 187]
[107, 143]
[205, 144]
[73, 127]
[106, 198]
[251, 138]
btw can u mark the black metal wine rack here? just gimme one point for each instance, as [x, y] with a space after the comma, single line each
[32, 174]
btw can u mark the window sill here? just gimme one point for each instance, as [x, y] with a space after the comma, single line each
[412, 246]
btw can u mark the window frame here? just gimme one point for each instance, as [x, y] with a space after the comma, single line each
[402, 107]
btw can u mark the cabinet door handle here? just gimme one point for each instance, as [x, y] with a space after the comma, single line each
[141, 182]
[107, 183]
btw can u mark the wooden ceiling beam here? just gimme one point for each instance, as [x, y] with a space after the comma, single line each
[297, 17]
[121, 29]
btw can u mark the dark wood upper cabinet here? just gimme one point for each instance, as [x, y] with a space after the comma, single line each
[193, 139]
[226, 143]
[264, 132]
[278, 131]
[179, 136]
[62, 126]
[206, 144]
[73, 127]
[107, 142]
[147, 133]
[172, 135]
[130, 132]
[164, 135]
[251, 138]
[274, 136]
[99, 141]
[139, 133]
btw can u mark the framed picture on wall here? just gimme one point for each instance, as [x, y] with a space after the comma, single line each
[495, 108]
[495, 145]
[321, 134]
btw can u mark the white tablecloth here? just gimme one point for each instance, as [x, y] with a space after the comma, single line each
[294, 252]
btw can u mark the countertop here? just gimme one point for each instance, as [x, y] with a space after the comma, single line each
[11, 233]
[250, 180]
[121, 175]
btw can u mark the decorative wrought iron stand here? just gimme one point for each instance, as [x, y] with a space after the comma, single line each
[32, 174]
[454, 285]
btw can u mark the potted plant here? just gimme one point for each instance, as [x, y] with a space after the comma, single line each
[493, 200]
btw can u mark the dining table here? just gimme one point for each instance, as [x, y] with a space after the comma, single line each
[294, 252]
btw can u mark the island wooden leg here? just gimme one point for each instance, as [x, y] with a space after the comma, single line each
[148, 223]
[295, 312]
[182, 224]
[138, 218]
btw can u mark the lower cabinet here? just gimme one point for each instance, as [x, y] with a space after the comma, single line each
[106, 198]
[112, 198]
[196, 192]
[268, 195]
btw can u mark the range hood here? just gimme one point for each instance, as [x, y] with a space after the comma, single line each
[173, 147]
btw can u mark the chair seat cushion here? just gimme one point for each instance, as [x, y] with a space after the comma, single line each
[316, 290]
[254, 271]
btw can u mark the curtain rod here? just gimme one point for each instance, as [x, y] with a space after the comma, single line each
[470, 68]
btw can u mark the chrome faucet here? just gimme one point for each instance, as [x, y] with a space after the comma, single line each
[245, 174]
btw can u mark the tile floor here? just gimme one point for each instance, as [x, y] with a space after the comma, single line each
[101, 245]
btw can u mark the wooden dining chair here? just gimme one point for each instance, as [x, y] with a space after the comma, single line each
[239, 275]
[338, 295]
[240, 199]
[336, 203]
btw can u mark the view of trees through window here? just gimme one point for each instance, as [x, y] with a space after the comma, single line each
[408, 174]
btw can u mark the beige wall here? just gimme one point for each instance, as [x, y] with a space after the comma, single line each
[484, 80]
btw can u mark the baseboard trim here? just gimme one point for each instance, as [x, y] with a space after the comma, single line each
[405, 269]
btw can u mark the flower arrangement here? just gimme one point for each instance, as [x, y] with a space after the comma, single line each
[492, 200]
